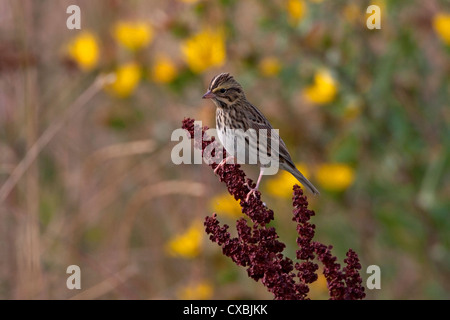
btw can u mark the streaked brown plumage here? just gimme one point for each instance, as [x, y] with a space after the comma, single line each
[235, 112]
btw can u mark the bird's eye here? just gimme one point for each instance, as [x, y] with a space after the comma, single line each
[223, 90]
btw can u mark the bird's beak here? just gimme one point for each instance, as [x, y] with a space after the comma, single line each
[208, 95]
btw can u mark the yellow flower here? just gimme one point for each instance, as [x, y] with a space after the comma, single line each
[352, 12]
[187, 244]
[381, 4]
[335, 176]
[281, 185]
[163, 70]
[227, 205]
[270, 66]
[441, 24]
[323, 90]
[133, 35]
[84, 50]
[200, 291]
[127, 79]
[205, 50]
[318, 290]
[296, 10]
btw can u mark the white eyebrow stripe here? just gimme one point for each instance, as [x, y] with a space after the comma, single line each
[214, 81]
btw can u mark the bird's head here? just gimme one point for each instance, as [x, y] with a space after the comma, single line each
[224, 90]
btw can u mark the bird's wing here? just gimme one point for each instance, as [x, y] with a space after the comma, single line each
[258, 121]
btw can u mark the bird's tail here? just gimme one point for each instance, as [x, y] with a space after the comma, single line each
[305, 182]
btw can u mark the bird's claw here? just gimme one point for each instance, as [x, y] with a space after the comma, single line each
[251, 192]
[222, 163]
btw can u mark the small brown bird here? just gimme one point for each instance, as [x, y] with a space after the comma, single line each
[235, 112]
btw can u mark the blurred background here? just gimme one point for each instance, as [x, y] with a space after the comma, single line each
[86, 176]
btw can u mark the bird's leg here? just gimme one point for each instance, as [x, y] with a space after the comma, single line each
[222, 163]
[253, 190]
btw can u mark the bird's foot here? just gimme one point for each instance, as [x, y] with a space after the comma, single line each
[251, 192]
[222, 163]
